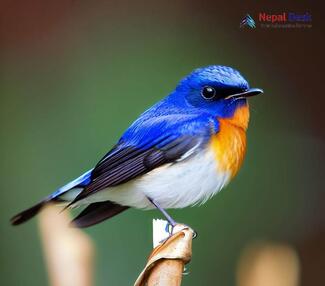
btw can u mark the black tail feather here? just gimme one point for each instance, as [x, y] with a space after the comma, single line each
[97, 212]
[27, 214]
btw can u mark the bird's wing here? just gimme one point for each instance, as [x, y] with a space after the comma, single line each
[143, 148]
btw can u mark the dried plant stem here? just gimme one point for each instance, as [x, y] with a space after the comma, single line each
[166, 262]
[167, 272]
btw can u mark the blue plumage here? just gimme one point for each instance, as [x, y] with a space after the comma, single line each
[176, 112]
[182, 122]
[79, 182]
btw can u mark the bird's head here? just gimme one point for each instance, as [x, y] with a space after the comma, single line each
[219, 90]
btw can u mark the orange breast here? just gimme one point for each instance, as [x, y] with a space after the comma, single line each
[229, 144]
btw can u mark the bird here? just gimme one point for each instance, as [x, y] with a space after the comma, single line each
[178, 153]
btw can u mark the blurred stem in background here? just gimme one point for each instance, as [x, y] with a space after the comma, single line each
[68, 251]
[268, 264]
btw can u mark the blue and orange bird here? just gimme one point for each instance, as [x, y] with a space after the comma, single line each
[178, 153]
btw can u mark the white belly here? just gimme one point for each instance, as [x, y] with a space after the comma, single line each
[177, 185]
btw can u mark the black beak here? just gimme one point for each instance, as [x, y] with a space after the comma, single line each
[248, 93]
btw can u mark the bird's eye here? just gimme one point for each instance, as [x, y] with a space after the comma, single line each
[208, 92]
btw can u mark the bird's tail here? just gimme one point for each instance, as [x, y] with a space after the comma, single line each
[91, 215]
[28, 213]
[63, 194]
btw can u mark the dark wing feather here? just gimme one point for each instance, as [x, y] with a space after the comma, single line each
[97, 212]
[115, 169]
[124, 153]
[28, 214]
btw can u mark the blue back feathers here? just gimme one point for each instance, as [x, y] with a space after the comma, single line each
[185, 111]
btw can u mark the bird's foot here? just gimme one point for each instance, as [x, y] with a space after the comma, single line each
[171, 228]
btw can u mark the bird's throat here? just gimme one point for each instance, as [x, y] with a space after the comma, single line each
[229, 144]
[240, 117]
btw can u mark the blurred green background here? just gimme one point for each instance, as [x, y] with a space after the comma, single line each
[75, 74]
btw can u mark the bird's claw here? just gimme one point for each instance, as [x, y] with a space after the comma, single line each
[170, 229]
